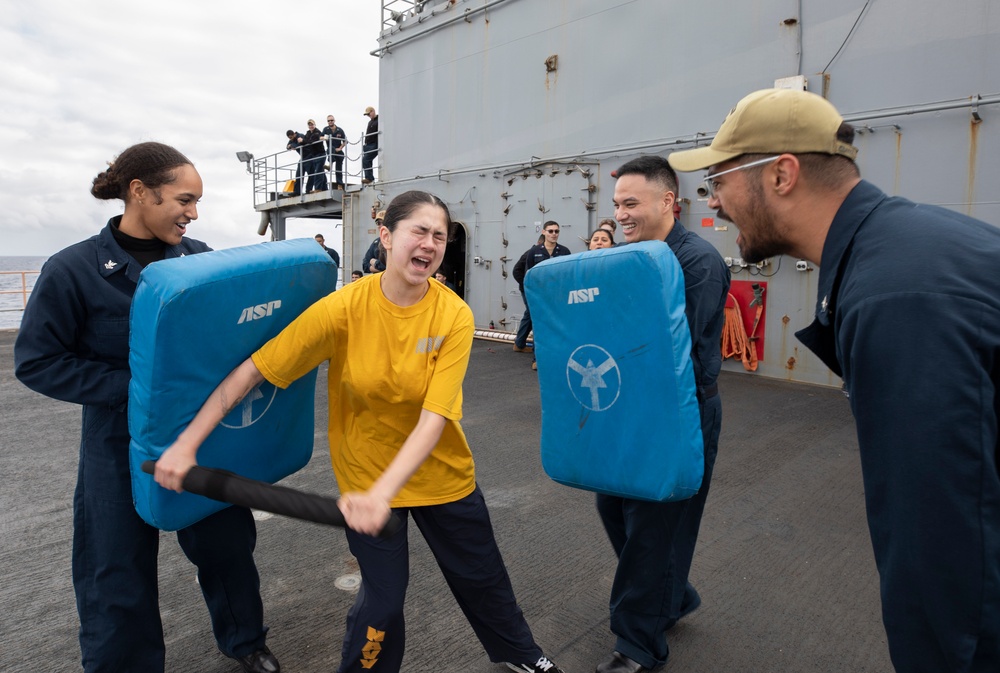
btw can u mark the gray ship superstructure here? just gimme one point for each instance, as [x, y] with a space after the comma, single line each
[516, 111]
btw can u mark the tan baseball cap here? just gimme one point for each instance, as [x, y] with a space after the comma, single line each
[771, 121]
[369, 110]
[380, 215]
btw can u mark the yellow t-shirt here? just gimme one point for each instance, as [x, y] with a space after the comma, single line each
[387, 362]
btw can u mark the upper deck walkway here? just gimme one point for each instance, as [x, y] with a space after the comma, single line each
[784, 565]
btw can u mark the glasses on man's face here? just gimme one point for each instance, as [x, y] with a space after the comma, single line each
[551, 231]
[329, 121]
[708, 188]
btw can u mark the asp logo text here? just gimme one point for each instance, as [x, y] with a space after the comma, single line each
[259, 311]
[583, 296]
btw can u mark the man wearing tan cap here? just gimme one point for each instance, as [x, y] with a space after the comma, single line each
[907, 316]
[370, 147]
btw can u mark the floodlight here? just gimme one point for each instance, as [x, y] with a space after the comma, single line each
[246, 158]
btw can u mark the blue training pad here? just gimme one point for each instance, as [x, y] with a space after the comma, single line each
[193, 320]
[619, 408]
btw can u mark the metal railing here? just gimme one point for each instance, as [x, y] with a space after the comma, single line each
[394, 12]
[399, 16]
[274, 175]
[24, 291]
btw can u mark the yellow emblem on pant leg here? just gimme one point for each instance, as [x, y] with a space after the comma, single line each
[371, 650]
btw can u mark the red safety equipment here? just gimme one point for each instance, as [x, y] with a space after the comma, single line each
[735, 342]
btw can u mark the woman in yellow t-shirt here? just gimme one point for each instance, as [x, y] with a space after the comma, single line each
[395, 393]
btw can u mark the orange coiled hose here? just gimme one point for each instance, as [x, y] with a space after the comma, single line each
[735, 342]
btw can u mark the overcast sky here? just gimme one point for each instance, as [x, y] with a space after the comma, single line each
[81, 80]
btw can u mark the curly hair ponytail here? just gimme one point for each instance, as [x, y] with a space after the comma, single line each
[151, 163]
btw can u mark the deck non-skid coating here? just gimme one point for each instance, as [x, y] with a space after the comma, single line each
[784, 565]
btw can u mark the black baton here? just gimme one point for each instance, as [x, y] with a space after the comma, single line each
[230, 487]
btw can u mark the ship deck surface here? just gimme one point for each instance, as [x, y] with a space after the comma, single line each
[784, 565]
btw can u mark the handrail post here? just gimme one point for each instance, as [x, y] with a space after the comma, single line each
[23, 291]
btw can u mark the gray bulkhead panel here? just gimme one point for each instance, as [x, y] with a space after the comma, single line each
[475, 109]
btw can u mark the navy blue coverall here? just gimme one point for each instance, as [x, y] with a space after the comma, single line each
[369, 149]
[334, 156]
[73, 345]
[372, 254]
[655, 541]
[534, 255]
[909, 316]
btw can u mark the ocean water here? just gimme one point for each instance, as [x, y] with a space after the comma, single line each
[11, 284]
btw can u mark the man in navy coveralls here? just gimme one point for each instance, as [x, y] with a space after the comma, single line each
[907, 314]
[654, 541]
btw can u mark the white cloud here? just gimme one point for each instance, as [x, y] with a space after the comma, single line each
[81, 81]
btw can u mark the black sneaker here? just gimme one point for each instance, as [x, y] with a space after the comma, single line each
[543, 665]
